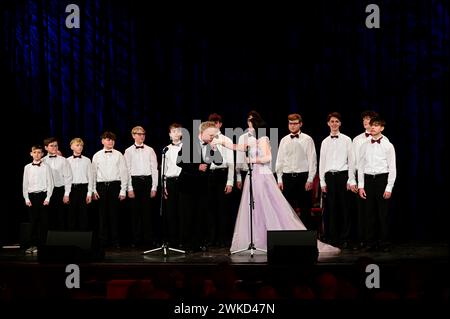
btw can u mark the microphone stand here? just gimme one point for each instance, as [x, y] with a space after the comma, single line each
[251, 246]
[165, 246]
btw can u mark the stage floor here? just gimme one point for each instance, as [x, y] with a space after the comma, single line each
[409, 266]
[406, 252]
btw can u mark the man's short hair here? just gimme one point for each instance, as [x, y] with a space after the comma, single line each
[370, 114]
[295, 117]
[206, 125]
[50, 140]
[137, 129]
[109, 135]
[377, 121]
[77, 140]
[174, 125]
[37, 147]
[334, 114]
[214, 117]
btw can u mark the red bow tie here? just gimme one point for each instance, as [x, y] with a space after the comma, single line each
[294, 136]
[376, 141]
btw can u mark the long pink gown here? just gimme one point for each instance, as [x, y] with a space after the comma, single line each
[272, 211]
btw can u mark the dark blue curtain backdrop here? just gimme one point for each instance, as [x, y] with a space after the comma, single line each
[132, 63]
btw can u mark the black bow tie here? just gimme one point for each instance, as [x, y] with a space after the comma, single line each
[376, 141]
[367, 134]
[179, 144]
[108, 151]
[204, 143]
[294, 135]
[36, 164]
[142, 146]
[334, 136]
[77, 156]
[52, 156]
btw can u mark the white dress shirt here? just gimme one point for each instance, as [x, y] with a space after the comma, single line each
[142, 162]
[109, 167]
[296, 155]
[336, 154]
[61, 172]
[82, 172]
[36, 179]
[170, 166]
[377, 158]
[358, 141]
[227, 156]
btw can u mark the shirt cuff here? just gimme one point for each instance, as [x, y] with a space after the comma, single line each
[280, 178]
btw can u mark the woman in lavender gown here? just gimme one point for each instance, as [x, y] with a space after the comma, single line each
[272, 211]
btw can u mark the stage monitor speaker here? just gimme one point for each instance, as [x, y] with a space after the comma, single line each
[285, 247]
[70, 247]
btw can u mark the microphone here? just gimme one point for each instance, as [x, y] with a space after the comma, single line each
[165, 149]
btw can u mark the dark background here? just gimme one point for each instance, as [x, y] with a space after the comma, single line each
[136, 64]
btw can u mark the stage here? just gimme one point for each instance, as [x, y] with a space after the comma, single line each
[410, 270]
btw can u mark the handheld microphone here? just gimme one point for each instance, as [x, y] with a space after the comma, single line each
[165, 149]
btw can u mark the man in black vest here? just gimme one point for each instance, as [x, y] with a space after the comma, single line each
[193, 180]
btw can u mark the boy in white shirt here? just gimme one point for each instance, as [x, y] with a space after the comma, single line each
[82, 185]
[376, 177]
[142, 185]
[110, 177]
[37, 188]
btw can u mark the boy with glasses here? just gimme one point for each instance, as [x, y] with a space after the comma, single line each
[296, 167]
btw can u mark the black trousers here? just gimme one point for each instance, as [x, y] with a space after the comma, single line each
[58, 211]
[38, 215]
[194, 218]
[78, 215]
[218, 213]
[297, 196]
[360, 214]
[337, 216]
[376, 208]
[142, 219]
[108, 208]
[172, 214]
